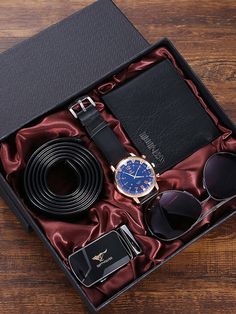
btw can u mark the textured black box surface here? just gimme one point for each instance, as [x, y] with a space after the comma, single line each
[50, 68]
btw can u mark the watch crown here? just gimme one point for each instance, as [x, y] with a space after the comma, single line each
[154, 166]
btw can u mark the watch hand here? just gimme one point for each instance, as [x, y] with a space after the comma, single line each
[129, 174]
[139, 177]
[137, 171]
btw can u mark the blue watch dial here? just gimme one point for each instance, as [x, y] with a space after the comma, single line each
[135, 177]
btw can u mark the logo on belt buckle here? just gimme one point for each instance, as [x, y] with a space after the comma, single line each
[100, 256]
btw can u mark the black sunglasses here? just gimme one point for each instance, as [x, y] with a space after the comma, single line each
[174, 213]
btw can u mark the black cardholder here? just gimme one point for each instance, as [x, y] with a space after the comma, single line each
[161, 115]
[99, 259]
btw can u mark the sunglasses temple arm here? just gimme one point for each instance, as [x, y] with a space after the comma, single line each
[206, 200]
[213, 209]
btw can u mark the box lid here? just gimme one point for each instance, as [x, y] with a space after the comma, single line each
[55, 65]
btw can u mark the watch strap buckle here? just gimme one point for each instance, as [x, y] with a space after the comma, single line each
[80, 103]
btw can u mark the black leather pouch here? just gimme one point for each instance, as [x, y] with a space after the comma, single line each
[161, 115]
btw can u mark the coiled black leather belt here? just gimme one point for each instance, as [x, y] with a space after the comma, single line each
[81, 160]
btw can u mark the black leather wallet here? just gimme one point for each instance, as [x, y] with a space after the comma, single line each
[161, 115]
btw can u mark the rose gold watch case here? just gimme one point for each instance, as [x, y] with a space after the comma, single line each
[145, 192]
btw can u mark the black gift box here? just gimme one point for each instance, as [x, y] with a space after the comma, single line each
[55, 66]
[63, 62]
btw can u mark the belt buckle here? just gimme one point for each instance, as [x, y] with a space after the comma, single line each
[80, 102]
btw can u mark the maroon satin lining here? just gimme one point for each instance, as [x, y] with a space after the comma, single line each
[113, 209]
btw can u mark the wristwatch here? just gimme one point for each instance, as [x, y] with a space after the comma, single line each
[134, 176]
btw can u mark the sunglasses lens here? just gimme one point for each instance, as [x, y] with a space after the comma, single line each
[172, 214]
[220, 175]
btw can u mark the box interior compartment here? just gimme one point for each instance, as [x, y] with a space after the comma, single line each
[113, 209]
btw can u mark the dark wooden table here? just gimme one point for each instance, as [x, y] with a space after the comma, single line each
[203, 278]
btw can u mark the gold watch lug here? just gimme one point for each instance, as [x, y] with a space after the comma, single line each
[157, 186]
[113, 169]
[133, 155]
[136, 200]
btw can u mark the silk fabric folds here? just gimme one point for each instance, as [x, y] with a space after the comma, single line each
[113, 209]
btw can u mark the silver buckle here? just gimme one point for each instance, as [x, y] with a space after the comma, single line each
[80, 103]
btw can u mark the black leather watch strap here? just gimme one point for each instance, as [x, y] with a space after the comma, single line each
[152, 195]
[99, 131]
